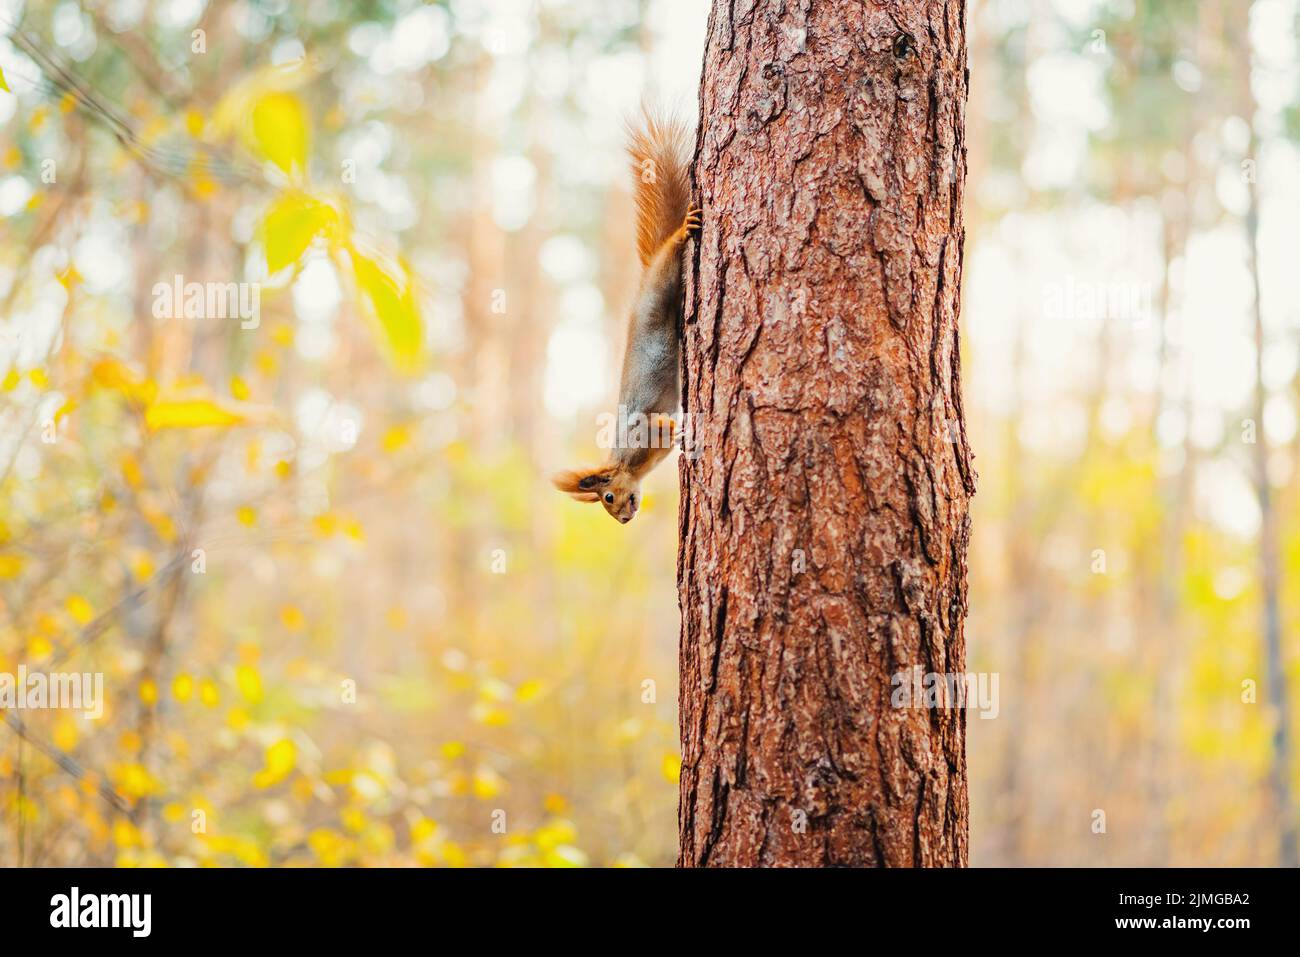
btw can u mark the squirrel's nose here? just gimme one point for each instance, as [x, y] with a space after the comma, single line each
[625, 520]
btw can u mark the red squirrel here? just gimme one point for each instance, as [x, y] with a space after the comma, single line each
[661, 151]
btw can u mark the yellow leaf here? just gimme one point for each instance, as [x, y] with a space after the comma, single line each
[391, 292]
[304, 789]
[125, 834]
[109, 373]
[65, 410]
[396, 437]
[327, 846]
[233, 111]
[161, 522]
[565, 856]
[280, 131]
[454, 854]
[135, 781]
[281, 758]
[672, 767]
[422, 829]
[182, 687]
[69, 276]
[249, 682]
[10, 566]
[131, 471]
[80, 609]
[353, 818]
[141, 565]
[292, 618]
[487, 784]
[65, 733]
[3, 84]
[494, 716]
[208, 693]
[148, 692]
[189, 414]
[292, 222]
[554, 833]
[555, 804]
[326, 524]
[453, 749]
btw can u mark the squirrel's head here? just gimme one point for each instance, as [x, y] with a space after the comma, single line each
[614, 488]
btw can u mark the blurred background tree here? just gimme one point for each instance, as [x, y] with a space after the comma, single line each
[1114, 369]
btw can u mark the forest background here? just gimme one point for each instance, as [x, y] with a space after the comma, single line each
[342, 617]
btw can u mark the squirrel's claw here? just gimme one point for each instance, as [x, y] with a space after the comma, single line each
[691, 225]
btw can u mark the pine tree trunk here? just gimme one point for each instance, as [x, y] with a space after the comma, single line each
[1270, 566]
[824, 516]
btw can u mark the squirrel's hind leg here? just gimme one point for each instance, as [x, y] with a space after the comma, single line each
[690, 225]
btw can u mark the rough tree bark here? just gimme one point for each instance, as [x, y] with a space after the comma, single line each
[824, 516]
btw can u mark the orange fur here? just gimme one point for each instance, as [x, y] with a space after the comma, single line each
[583, 484]
[660, 151]
[660, 148]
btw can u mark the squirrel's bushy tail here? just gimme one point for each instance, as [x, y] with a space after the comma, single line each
[661, 148]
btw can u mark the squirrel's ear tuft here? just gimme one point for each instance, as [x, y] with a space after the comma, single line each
[595, 480]
[581, 484]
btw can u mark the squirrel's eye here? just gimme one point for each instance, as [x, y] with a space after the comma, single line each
[609, 497]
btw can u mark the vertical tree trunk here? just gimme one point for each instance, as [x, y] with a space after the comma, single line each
[1270, 566]
[824, 516]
